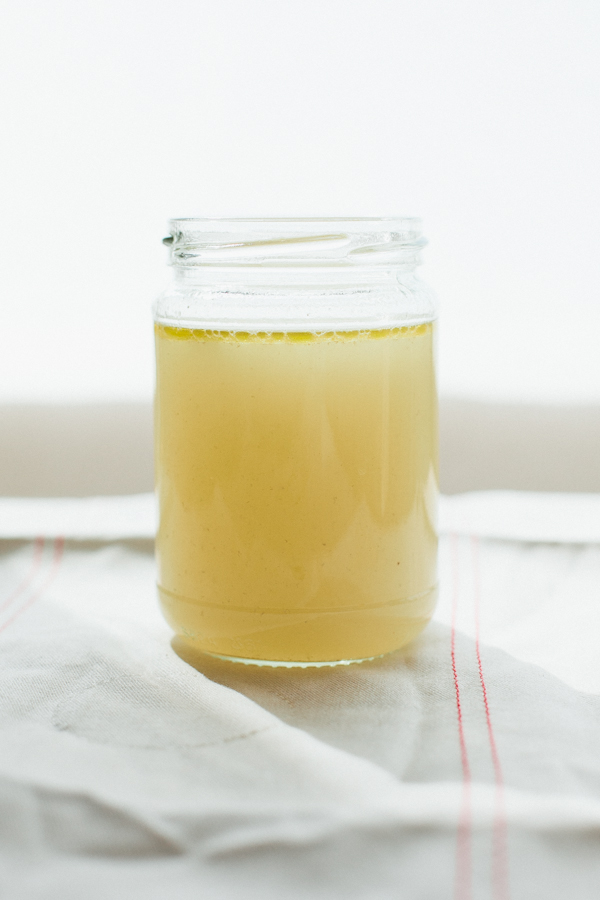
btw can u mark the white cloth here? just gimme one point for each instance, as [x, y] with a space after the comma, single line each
[466, 766]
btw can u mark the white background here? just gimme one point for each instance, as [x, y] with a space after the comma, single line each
[480, 117]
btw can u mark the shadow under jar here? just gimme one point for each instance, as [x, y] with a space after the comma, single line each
[296, 439]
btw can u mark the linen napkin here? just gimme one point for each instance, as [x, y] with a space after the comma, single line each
[465, 766]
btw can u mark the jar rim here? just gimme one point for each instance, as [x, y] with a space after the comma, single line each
[280, 241]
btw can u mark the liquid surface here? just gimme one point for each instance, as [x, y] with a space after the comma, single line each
[297, 482]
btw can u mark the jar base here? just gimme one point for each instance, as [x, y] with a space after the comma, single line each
[298, 638]
[290, 664]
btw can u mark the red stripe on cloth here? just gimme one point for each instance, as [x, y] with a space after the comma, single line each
[59, 544]
[500, 881]
[34, 568]
[464, 866]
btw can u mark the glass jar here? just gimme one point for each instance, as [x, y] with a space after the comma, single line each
[296, 439]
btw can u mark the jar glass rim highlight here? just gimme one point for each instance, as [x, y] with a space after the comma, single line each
[316, 241]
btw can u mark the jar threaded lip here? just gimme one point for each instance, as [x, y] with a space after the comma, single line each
[267, 242]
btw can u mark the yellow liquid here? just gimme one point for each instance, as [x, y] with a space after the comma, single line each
[297, 482]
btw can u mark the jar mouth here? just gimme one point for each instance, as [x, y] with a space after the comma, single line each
[267, 242]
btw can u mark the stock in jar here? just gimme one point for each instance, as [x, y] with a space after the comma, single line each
[296, 439]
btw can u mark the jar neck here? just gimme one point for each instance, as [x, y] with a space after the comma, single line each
[296, 275]
[309, 277]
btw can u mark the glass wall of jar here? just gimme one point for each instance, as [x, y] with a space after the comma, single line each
[296, 439]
